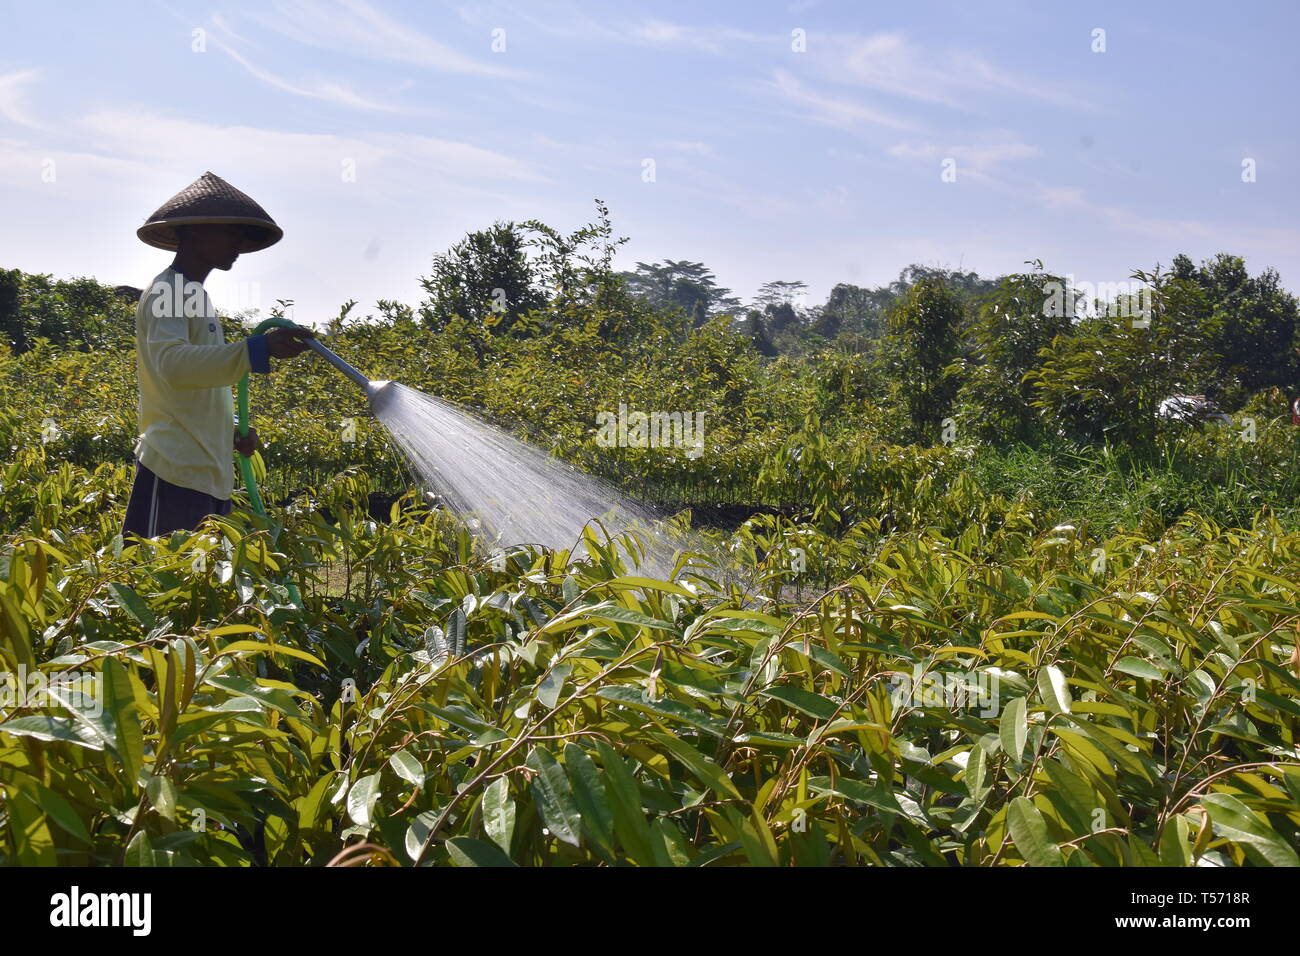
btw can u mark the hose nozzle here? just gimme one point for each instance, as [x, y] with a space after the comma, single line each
[379, 393]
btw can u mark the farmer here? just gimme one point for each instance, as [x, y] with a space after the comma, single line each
[184, 469]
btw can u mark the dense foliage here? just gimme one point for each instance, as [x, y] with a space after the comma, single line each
[1063, 634]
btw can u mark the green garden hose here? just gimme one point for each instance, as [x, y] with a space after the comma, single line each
[245, 463]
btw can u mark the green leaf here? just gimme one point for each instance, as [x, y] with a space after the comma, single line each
[671, 843]
[499, 813]
[274, 697]
[554, 797]
[162, 795]
[63, 813]
[466, 851]
[361, 799]
[33, 844]
[651, 584]
[92, 723]
[1281, 703]
[814, 705]
[140, 852]
[456, 632]
[253, 648]
[663, 707]
[1073, 796]
[133, 604]
[617, 614]
[309, 807]
[593, 802]
[436, 644]
[548, 691]
[625, 802]
[1236, 821]
[1054, 689]
[13, 628]
[569, 589]
[407, 767]
[858, 791]
[1029, 832]
[418, 832]
[755, 837]
[1138, 668]
[45, 727]
[604, 611]
[120, 704]
[704, 768]
[1175, 845]
[976, 772]
[1013, 728]
[1138, 853]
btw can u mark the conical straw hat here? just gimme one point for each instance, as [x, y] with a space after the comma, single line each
[209, 199]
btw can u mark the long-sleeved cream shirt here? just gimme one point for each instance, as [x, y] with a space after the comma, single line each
[186, 369]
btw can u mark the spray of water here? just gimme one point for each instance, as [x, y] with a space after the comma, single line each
[510, 492]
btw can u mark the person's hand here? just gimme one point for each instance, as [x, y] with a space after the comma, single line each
[246, 444]
[287, 343]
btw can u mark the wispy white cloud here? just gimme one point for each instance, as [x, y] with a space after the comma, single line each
[680, 146]
[979, 159]
[389, 162]
[891, 63]
[356, 28]
[13, 98]
[660, 33]
[330, 92]
[78, 174]
[1121, 218]
[224, 25]
[561, 20]
[1061, 197]
[565, 20]
[828, 109]
[829, 90]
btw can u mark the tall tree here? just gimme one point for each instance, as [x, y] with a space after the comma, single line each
[1250, 324]
[80, 313]
[486, 279]
[577, 268]
[1012, 324]
[779, 293]
[1105, 378]
[853, 310]
[967, 285]
[922, 342]
[681, 284]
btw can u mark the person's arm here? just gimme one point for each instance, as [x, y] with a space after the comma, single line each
[183, 365]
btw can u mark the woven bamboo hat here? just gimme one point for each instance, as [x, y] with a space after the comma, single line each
[209, 200]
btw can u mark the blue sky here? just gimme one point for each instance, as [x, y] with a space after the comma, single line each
[770, 162]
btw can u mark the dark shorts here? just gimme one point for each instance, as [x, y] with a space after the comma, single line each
[159, 507]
